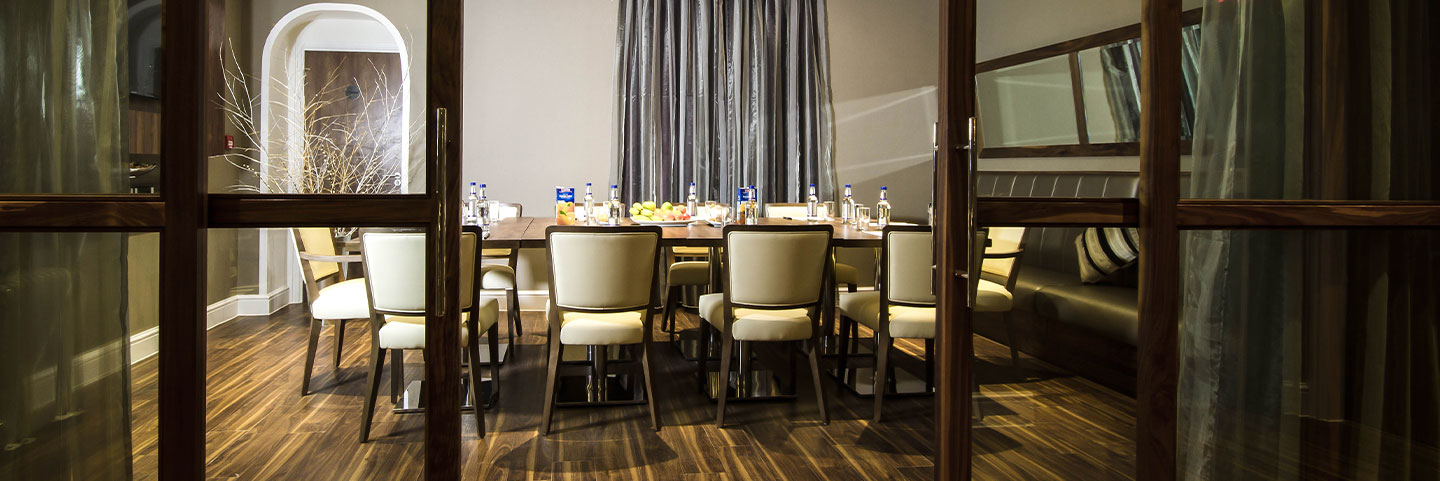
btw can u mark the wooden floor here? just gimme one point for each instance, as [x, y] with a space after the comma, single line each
[1051, 425]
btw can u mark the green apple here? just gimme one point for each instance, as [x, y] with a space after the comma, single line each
[666, 206]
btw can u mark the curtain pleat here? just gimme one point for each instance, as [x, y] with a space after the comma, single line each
[725, 94]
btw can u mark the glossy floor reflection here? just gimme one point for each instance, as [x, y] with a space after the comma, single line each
[1050, 426]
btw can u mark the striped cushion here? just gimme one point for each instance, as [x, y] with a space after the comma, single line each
[1104, 251]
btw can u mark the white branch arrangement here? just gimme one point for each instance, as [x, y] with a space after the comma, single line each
[348, 153]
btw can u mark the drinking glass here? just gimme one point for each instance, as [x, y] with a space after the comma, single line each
[862, 217]
[826, 209]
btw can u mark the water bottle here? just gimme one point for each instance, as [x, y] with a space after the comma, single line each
[882, 209]
[471, 214]
[690, 201]
[482, 208]
[812, 204]
[616, 208]
[847, 207]
[583, 213]
[752, 206]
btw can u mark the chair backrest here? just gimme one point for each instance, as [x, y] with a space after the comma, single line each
[786, 209]
[1003, 239]
[317, 241]
[776, 265]
[603, 268]
[507, 210]
[907, 276]
[395, 271]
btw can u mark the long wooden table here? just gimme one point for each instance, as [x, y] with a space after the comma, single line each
[529, 233]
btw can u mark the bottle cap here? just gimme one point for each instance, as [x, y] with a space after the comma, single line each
[482, 186]
[587, 184]
[613, 186]
[882, 187]
[812, 185]
[847, 185]
[472, 183]
[692, 183]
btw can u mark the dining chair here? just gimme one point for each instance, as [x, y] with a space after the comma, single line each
[395, 273]
[903, 305]
[775, 278]
[331, 296]
[845, 274]
[502, 277]
[602, 293]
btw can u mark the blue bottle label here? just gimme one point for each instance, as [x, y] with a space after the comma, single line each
[565, 195]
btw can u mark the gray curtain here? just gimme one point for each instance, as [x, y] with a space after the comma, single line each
[1120, 63]
[725, 94]
[64, 379]
[1313, 354]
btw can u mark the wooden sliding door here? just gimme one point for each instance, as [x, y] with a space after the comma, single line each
[64, 211]
[1283, 330]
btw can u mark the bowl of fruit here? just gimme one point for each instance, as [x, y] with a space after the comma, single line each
[649, 213]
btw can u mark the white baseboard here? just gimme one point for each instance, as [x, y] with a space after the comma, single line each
[146, 344]
[532, 300]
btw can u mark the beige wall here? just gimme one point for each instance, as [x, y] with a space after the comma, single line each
[538, 94]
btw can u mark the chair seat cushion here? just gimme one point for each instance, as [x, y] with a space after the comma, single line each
[689, 251]
[345, 300]
[905, 321]
[689, 273]
[591, 329]
[408, 332]
[758, 324]
[846, 274]
[495, 253]
[497, 276]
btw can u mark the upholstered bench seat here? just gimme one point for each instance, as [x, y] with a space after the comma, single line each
[1110, 310]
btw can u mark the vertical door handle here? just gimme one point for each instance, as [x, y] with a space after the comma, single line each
[442, 215]
[975, 249]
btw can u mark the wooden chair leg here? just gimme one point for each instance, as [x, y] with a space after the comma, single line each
[667, 319]
[310, 356]
[649, 386]
[882, 372]
[929, 365]
[702, 354]
[727, 344]
[339, 342]
[472, 349]
[551, 373]
[397, 374]
[1014, 348]
[494, 344]
[815, 376]
[513, 311]
[844, 351]
[377, 362]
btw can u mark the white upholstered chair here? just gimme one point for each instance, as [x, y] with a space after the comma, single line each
[395, 273]
[845, 274]
[903, 305]
[775, 281]
[602, 293]
[332, 297]
[502, 276]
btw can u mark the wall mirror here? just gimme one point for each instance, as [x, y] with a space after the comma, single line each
[1079, 98]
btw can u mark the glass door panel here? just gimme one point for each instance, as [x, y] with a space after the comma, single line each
[85, 111]
[78, 311]
[322, 99]
[1321, 101]
[1309, 355]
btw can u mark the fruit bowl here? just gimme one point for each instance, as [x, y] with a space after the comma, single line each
[665, 213]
